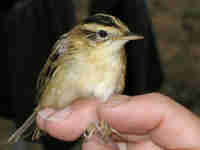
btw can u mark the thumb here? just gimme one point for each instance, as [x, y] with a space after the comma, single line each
[169, 124]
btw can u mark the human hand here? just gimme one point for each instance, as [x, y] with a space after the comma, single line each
[150, 121]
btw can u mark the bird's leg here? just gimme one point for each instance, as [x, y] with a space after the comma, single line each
[90, 131]
[100, 129]
[36, 134]
[104, 131]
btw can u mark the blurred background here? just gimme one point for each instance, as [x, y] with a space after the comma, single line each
[176, 24]
[177, 30]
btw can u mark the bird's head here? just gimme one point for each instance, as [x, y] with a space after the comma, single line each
[103, 31]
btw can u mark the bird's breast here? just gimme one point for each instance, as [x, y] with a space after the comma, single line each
[99, 76]
[83, 78]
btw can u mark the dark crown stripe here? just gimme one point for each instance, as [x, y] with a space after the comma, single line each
[103, 20]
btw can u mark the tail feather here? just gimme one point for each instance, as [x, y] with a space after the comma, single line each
[19, 133]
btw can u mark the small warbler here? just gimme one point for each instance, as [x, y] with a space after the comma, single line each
[89, 60]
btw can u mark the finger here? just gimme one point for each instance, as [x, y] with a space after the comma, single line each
[168, 123]
[131, 114]
[133, 138]
[68, 124]
[144, 145]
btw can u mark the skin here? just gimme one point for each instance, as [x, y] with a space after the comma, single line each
[150, 121]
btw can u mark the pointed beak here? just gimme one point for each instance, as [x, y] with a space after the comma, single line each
[131, 36]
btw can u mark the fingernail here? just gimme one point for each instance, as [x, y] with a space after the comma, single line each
[61, 115]
[45, 113]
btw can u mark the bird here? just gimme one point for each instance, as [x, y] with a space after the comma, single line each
[89, 60]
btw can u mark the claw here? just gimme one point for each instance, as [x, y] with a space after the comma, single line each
[88, 135]
[36, 134]
[104, 131]
[101, 129]
[90, 131]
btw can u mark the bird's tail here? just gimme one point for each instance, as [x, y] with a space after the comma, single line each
[20, 131]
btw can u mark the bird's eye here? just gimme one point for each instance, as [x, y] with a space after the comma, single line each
[102, 33]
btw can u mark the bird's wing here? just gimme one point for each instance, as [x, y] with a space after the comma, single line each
[121, 85]
[59, 48]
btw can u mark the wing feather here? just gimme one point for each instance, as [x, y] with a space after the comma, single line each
[59, 48]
